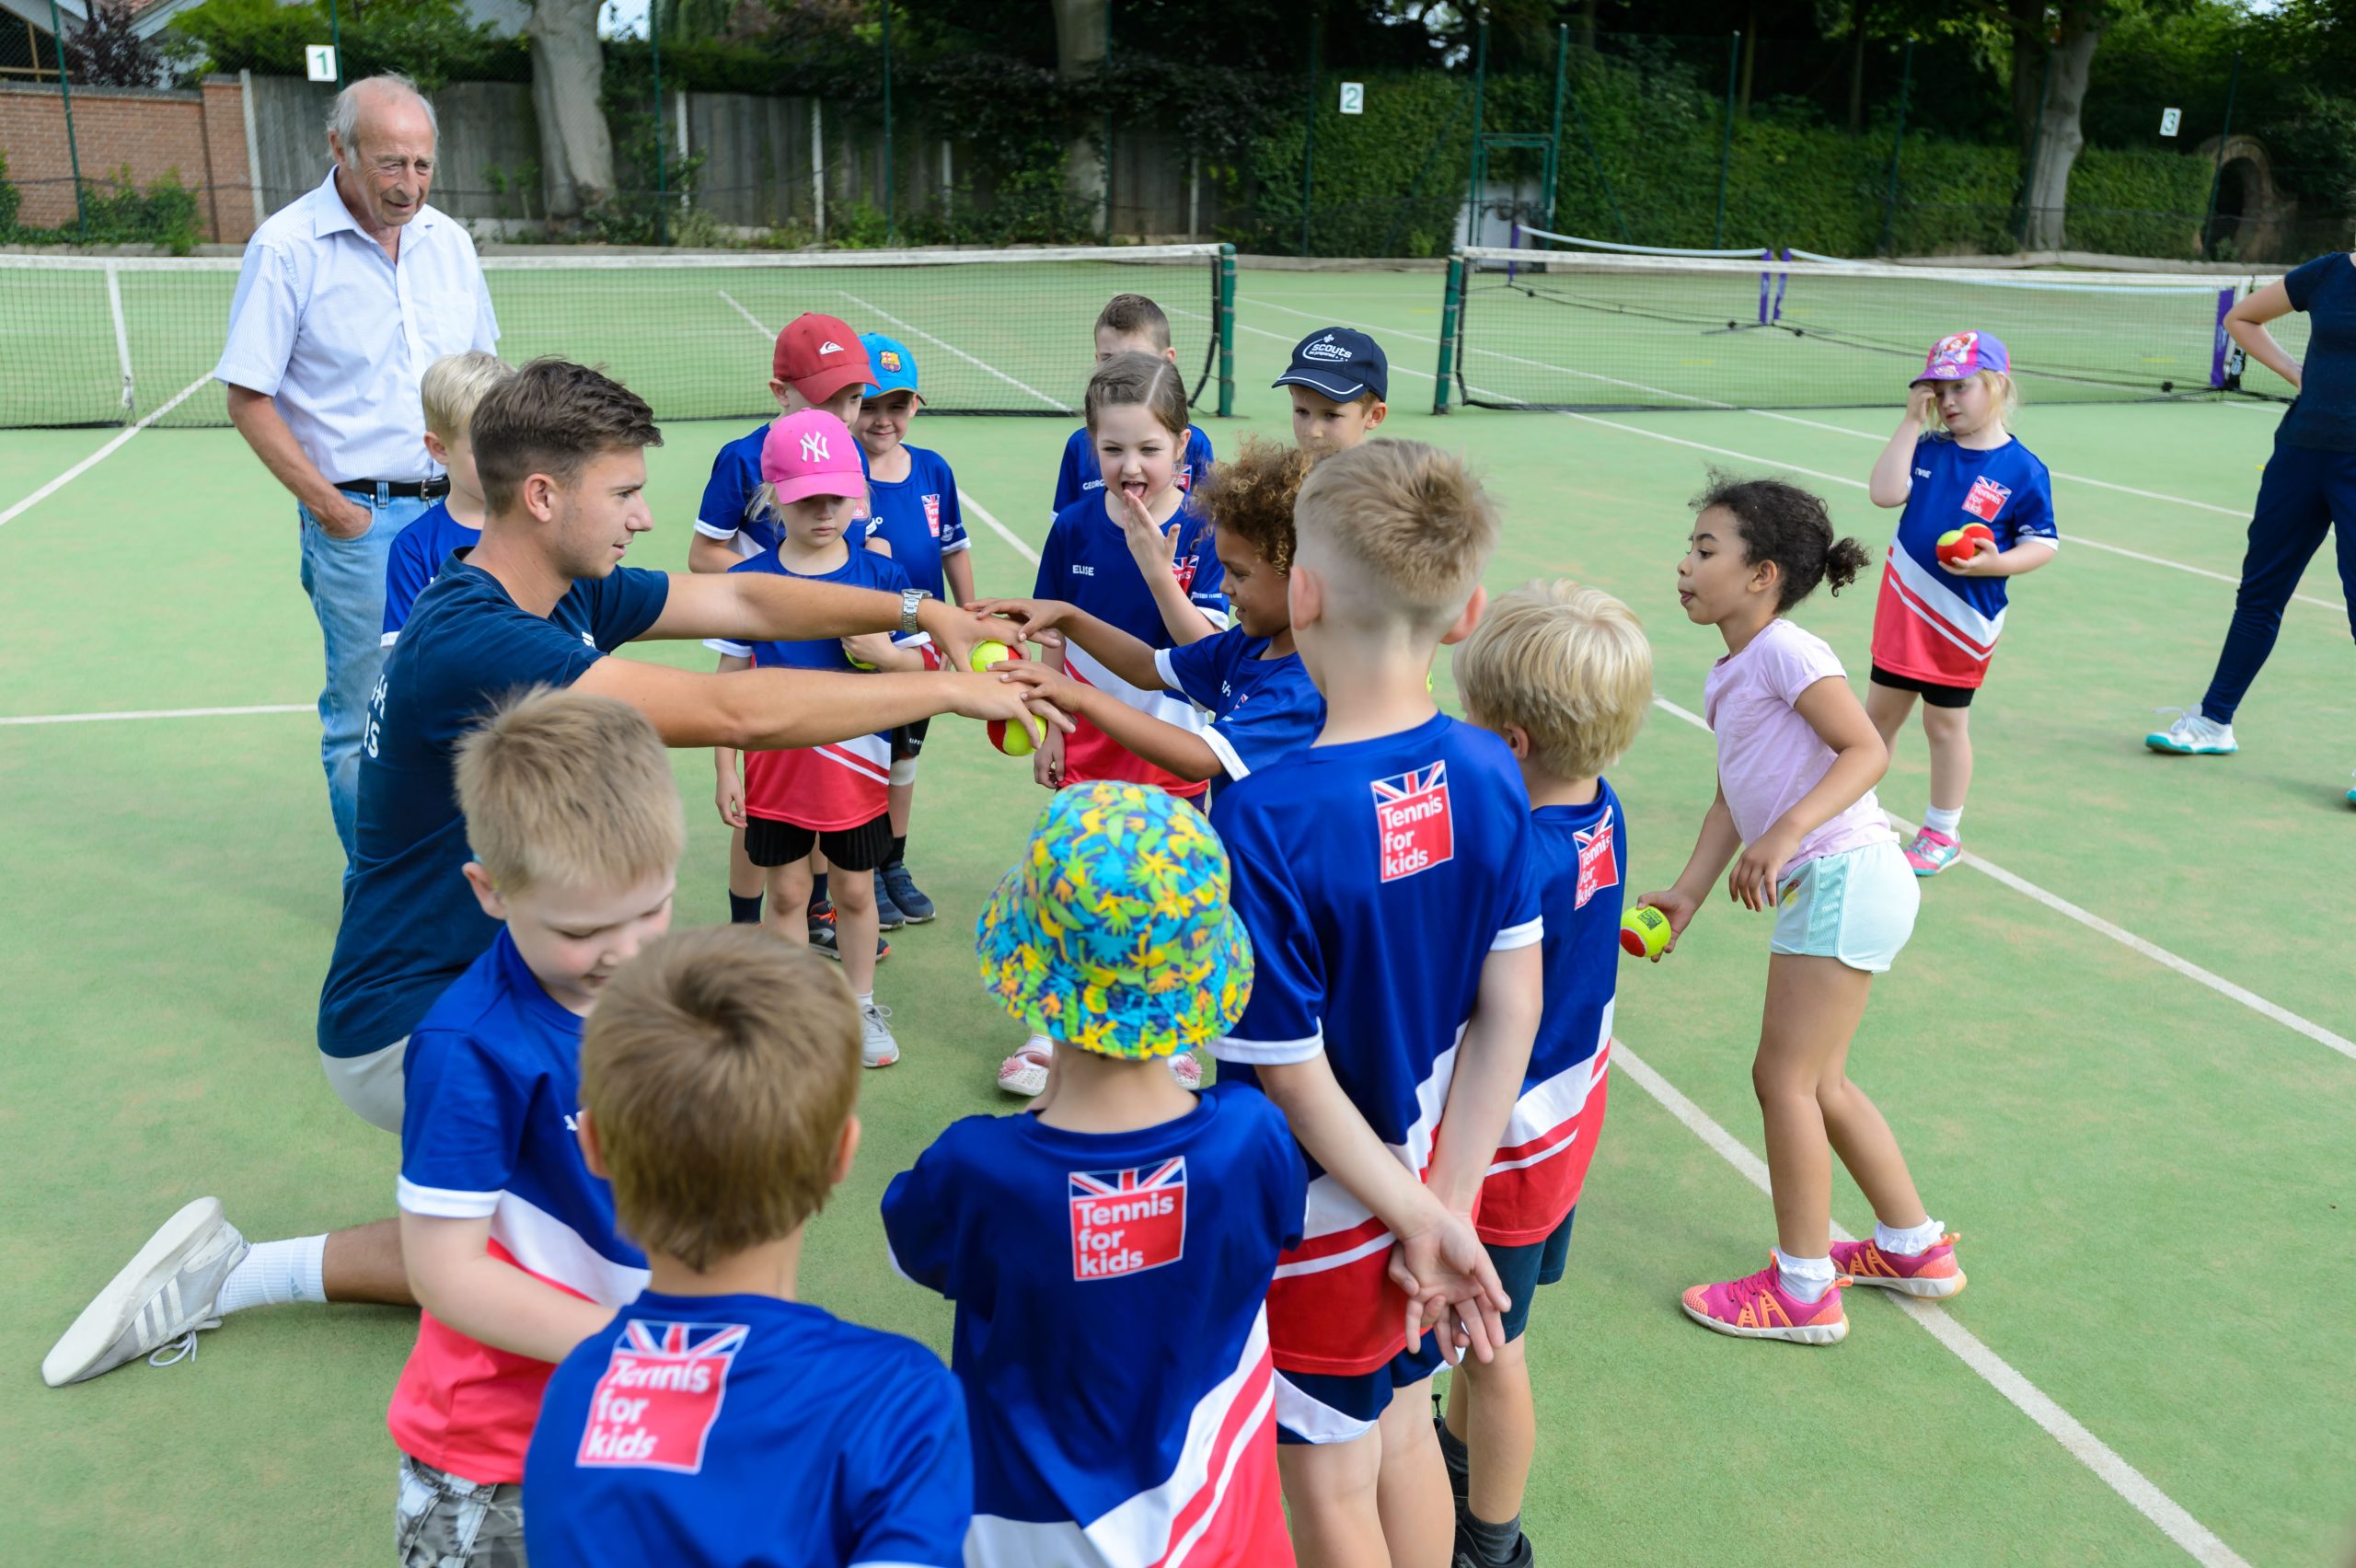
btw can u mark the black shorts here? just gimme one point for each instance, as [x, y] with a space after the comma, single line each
[860, 848]
[1521, 1270]
[1938, 696]
[907, 741]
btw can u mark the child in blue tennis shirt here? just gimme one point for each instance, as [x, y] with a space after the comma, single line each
[913, 518]
[449, 390]
[1129, 324]
[717, 1087]
[1110, 1250]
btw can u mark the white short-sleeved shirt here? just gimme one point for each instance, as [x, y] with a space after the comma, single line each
[1768, 757]
[326, 323]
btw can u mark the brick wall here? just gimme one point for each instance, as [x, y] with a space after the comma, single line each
[200, 135]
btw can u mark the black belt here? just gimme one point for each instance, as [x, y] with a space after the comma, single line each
[399, 489]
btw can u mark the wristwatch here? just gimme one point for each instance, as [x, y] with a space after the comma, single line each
[911, 600]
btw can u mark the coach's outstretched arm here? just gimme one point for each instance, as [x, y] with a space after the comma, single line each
[774, 710]
[762, 606]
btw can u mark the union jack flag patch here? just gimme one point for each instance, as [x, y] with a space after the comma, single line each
[1411, 812]
[1124, 1222]
[1987, 498]
[661, 1393]
[1599, 861]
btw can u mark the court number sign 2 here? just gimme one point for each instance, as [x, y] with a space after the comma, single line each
[1353, 98]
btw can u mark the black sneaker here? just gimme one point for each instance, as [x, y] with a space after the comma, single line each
[1522, 1555]
[893, 883]
[822, 935]
[889, 916]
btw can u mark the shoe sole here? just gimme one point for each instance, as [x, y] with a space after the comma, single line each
[1811, 1333]
[110, 1311]
[865, 1061]
[2150, 743]
[1922, 1289]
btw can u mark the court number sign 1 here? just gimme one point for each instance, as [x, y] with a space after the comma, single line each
[1353, 98]
[2169, 119]
[319, 61]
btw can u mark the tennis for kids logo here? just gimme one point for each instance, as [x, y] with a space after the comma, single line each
[932, 515]
[1987, 498]
[660, 1392]
[1411, 809]
[1598, 862]
[1124, 1222]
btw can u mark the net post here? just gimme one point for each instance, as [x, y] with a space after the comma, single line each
[122, 337]
[1226, 331]
[1554, 130]
[2217, 176]
[1897, 145]
[1725, 142]
[1449, 309]
[1480, 129]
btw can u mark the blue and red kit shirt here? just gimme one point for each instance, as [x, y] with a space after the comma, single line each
[1110, 1334]
[1579, 860]
[1081, 478]
[841, 784]
[1086, 562]
[494, 1083]
[1376, 877]
[410, 923]
[687, 1434]
[416, 559]
[918, 517]
[1260, 709]
[727, 512]
[1929, 624]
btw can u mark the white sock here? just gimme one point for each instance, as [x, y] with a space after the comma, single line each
[1909, 1243]
[1939, 821]
[1805, 1279]
[1040, 1044]
[275, 1272]
[865, 999]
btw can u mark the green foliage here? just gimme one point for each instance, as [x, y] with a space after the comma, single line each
[118, 212]
[8, 198]
[430, 41]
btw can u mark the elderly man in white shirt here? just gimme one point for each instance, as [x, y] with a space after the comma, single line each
[345, 297]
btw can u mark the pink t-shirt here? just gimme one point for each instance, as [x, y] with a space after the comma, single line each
[1768, 755]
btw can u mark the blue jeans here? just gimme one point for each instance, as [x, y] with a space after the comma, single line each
[345, 579]
[2302, 493]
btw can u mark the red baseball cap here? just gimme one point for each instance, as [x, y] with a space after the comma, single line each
[818, 356]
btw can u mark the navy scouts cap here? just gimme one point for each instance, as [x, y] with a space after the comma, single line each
[1342, 364]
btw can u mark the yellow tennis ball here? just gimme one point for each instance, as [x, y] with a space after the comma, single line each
[991, 653]
[1644, 931]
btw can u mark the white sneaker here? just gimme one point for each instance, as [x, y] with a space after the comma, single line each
[2193, 735]
[876, 1047]
[1026, 1072]
[155, 1306]
[1188, 1068]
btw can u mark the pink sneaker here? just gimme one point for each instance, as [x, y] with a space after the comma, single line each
[1934, 1274]
[1188, 1068]
[1932, 852]
[1756, 1307]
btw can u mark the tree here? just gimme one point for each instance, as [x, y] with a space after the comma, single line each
[107, 50]
[2053, 55]
[1081, 43]
[568, 99]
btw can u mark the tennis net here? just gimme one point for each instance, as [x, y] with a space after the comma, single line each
[92, 340]
[1600, 329]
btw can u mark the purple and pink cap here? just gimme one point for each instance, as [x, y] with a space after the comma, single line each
[812, 453]
[1963, 356]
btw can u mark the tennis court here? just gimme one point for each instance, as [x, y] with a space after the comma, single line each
[2119, 1050]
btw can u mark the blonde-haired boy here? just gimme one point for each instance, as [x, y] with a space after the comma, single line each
[509, 1239]
[718, 1079]
[1384, 875]
[449, 390]
[1563, 675]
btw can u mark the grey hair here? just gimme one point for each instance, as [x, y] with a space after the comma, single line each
[344, 115]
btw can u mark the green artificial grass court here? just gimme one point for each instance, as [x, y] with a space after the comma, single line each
[2152, 1179]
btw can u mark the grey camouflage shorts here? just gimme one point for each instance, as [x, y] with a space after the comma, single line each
[441, 1521]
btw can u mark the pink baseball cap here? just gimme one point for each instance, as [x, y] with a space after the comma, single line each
[812, 453]
[1963, 356]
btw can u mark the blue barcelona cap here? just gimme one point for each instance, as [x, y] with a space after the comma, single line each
[1340, 363]
[895, 367]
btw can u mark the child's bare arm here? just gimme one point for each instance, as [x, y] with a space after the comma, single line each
[1892, 479]
[1490, 1065]
[957, 573]
[708, 554]
[2030, 553]
[728, 793]
[1719, 841]
[1164, 745]
[453, 1277]
[1859, 759]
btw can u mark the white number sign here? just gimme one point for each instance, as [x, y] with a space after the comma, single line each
[1353, 98]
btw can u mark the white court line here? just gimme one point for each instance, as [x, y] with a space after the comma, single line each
[2117, 933]
[2131, 1484]
[95, 458]
[1009, 535]
[161, 713]
[748, 315]
[1056, 403]
[2074, 537]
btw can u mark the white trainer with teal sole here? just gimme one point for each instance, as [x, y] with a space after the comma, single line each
[2193, 735]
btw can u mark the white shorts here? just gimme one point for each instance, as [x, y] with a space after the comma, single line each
[371, 1084]
[1857, 906]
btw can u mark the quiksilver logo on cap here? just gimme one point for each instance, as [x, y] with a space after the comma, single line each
[830, 347]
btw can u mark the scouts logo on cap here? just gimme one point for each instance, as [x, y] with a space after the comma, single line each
[1324, 348]
[814, 447]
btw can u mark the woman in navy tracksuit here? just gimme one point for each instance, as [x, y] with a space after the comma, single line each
[2309, 481]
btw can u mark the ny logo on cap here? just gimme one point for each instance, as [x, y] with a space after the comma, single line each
[830, 347]
[813, 448]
